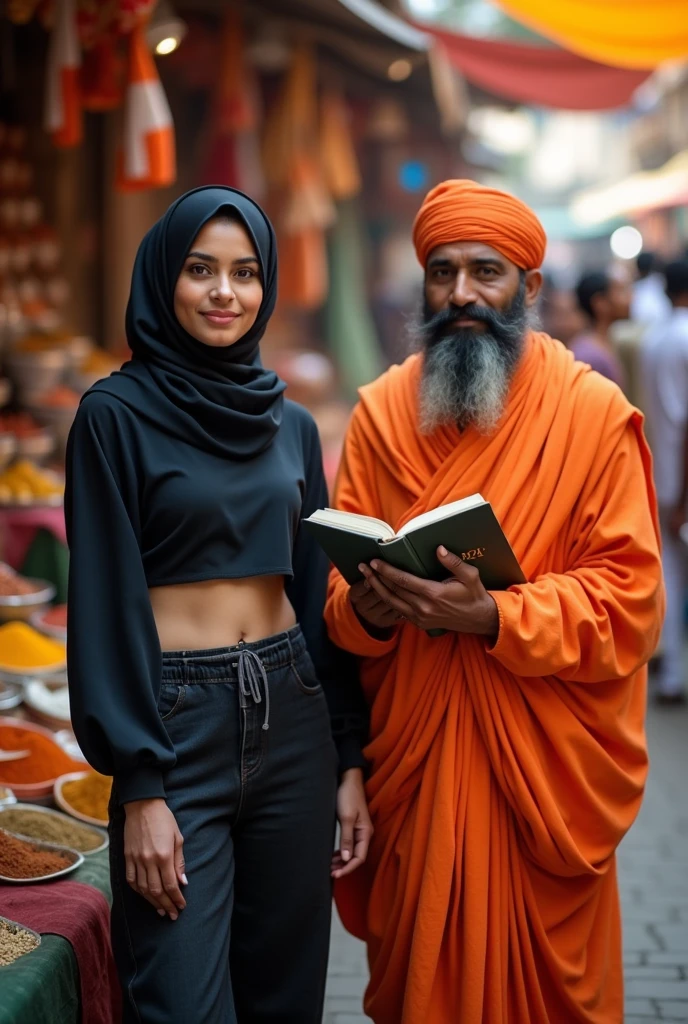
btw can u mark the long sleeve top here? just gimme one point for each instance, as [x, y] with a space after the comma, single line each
[144, 510]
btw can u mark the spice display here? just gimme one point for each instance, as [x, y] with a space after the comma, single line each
[14, 942]
[46, 760]
[14, 585]
[60, 397]
[23, 483]
[21, 859]
[21, 424]
[89, 795]
[55, 617]
[47, 700]
[23, 649]
[98, 361]
[50, 828]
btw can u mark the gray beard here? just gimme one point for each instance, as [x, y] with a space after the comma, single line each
[466, 374]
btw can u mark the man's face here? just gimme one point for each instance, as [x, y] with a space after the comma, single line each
[468, 275]
[472, 330]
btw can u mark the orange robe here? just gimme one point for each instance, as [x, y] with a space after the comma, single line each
[503, 778]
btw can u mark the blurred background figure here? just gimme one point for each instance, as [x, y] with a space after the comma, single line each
[604, 298]
[665, 370]
[650, 304]
[562, 317]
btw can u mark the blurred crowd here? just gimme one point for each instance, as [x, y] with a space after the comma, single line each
[632, 327]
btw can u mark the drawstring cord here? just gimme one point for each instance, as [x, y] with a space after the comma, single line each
[251, 669]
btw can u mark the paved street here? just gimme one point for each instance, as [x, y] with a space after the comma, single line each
[653, 868]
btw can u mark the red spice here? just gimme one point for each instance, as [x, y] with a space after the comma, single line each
[19, 859]
[56, 616]
[46, 760]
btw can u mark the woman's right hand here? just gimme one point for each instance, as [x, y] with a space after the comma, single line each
[153, 852]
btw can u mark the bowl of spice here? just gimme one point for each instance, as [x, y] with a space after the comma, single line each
[7, 797]
[29, 822]
[51, 621]
[47, 700]
[26, 652]
[32, 777]
[85, 795]
[21, 597]
[30, 860]
[11, 695]
[16, 941]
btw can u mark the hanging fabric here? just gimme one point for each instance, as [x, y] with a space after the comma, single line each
[147, 159]
[63, 113]
[624, 33]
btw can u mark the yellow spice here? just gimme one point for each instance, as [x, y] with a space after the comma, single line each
[22, 647]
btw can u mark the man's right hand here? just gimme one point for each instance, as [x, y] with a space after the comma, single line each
[373, 612]
[153, 852]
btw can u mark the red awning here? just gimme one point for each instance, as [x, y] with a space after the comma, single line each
[540, 75]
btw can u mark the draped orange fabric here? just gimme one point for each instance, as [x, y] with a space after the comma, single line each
[503, 779]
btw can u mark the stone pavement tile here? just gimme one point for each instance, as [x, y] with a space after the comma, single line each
[345, 1004]
[639, 1008]
[348, 1018]
[651, 988]
[654, 973]
[672, 1010]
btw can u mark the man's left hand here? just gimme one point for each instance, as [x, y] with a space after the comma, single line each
[460, 603]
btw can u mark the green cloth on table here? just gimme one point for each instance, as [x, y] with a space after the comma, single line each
[42, 987]
[48, 559]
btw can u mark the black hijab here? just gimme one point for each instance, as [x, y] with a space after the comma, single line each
[218, 399]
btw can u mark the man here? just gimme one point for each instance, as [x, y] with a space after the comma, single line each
[666, 379]
[650, 305]
[605, 298]
[507, 757]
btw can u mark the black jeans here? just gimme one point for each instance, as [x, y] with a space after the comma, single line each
[256, 808]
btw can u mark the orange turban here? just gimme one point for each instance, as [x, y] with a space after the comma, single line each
[464, 211]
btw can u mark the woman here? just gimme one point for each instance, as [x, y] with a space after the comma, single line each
[195, 605]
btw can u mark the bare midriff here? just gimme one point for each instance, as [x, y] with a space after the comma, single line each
[220, 613]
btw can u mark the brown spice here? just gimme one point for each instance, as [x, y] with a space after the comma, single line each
[14, 942]
[51, 828]
[20, 859]
[90, 795]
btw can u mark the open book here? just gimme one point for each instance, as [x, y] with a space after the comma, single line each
[467, 528]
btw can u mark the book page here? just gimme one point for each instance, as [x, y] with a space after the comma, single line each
[354, 523]
[436, 515]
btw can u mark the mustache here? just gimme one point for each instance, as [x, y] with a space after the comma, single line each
[437, 324]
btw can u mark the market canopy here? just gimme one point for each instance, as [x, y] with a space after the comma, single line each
[541, 75]
[638, 193]
[624, 33]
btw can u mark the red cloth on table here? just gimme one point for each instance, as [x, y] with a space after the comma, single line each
[546, 76]
[18, 527]
[80, 914]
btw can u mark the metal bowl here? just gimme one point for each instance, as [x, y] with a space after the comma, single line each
[76, 860]
[7, 797]
[36, 448]
[14, 925]
[56, 632]
[101, 833]
[23, 606]
[67, 807]
[11, 695]
[32, 791]
[36, 371]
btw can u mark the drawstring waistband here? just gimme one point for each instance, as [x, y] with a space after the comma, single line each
[251, 668]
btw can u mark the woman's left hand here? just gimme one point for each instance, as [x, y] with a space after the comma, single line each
[355, 824]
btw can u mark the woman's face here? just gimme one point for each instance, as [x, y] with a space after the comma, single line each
[219, 291]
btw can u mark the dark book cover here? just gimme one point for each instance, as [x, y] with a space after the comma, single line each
[473, 534]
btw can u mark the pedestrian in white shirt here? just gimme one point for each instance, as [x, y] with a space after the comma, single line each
[666, 377]
[650, 305]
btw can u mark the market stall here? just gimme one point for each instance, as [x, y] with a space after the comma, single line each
[55, 958]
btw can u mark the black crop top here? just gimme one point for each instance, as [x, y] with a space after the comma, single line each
[144, 509]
